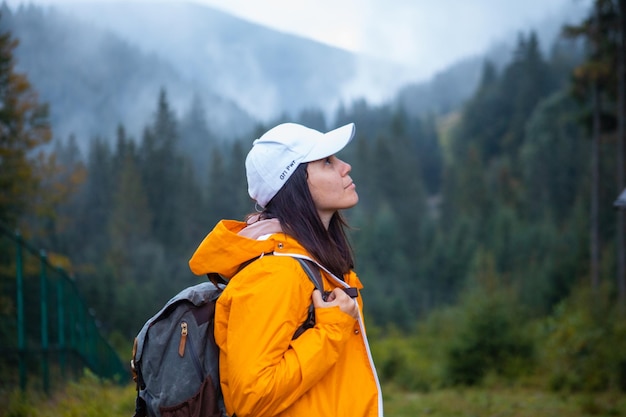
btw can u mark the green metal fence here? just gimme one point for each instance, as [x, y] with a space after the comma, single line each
[47, 333]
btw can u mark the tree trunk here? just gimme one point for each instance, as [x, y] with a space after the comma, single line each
[594, 234]
[595, 188]
[621, 68]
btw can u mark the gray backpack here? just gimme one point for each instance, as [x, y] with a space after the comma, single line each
[175, 360]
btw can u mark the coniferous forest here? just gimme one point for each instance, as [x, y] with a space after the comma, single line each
[486, 237]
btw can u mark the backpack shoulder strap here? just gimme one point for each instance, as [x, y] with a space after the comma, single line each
[313, 272]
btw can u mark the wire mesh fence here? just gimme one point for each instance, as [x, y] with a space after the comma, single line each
[47, 332]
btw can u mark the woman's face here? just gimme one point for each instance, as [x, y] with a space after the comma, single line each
[331, 187]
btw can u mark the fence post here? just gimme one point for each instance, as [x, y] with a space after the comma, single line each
[44, 322]
[83, 331]
[73, 328]
[21, 340]
[61, 318]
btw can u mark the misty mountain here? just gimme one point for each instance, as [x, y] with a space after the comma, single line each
[264, 71]
[94, 80]
[449, 88]
[101, 64]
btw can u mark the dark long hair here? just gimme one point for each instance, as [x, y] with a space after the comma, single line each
[293, 206]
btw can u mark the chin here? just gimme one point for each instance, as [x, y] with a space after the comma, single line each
[354, 202]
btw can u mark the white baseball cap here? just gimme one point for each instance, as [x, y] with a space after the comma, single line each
[277, 154]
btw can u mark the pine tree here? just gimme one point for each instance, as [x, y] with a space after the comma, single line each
[595, 82]
[242, 203]
[130, 217]
[159, 167]
[528, 80]
[196, 139]
[60, 189]
[95, 203]
[484, 119]
[220, 191]
[313, 118]
[24, 127]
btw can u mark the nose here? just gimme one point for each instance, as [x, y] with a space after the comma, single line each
[346, 167]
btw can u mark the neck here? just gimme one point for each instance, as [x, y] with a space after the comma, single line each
[325, 217]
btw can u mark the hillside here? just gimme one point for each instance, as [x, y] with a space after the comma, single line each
[98, 73]
[94, 80]
[263, 70]
[446, 90]
[103, 64]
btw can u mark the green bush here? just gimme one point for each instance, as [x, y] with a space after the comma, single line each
[491, 339]
[488, 339]
[413, 361]
[491, 335]
[398, 362]
[585, 343]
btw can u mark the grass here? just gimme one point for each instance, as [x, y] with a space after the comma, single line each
[87, 397]
[501, 402]
[91, 397]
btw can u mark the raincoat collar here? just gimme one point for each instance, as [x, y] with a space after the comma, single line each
[232, 243]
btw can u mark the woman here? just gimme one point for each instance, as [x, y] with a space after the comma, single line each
[295, 177]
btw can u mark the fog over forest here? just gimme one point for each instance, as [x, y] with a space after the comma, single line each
[100, 64]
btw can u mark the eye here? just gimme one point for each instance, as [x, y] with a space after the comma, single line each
[328, 161]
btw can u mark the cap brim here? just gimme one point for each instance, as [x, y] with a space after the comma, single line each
[331, 143]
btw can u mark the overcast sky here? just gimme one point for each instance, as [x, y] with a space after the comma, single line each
[426, 34]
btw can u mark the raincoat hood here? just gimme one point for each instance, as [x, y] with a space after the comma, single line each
[232, 243]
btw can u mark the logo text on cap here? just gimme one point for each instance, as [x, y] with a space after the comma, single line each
[287, 169]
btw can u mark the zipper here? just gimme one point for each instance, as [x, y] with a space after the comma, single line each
[183, 339]
[181, 349]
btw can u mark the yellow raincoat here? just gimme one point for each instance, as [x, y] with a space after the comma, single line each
[327, 371]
